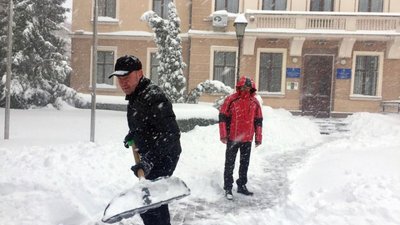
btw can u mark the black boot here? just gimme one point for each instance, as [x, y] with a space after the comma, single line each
[242, 189]
[228, 194]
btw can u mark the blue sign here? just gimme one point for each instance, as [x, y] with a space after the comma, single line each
[342, 73]
[293, 72]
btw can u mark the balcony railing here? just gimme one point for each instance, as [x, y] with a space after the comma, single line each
[324, 21]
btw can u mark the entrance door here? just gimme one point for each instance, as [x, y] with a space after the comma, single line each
[317, 82]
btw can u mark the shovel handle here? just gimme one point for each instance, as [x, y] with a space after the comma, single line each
[136, 155]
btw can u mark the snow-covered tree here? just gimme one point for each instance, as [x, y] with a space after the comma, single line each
[3, 45]
[169, 53]
[40, 66]
[3, 30]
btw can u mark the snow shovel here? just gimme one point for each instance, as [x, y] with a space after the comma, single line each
[145, 195]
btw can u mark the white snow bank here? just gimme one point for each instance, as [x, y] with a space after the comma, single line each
[51, 173]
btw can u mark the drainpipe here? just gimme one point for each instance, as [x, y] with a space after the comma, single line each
[94, 73]
[189, 45]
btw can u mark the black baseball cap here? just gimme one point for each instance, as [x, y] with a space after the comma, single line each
[125, 65]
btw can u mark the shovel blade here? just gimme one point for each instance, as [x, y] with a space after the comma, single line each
[143, 196]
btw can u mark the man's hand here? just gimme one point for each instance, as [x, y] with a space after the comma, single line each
[128, 140]
[145, 165]
[224, 140]
[258, 144]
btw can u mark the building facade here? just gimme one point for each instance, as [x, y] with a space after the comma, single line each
[315, 57]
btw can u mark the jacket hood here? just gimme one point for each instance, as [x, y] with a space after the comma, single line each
[246, 81]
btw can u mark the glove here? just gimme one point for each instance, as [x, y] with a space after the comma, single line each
[145, 165]
[224, 140]
[128, 141]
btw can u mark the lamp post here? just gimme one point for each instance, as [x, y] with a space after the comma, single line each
[94, 73]
[8, 76]
[240, 27]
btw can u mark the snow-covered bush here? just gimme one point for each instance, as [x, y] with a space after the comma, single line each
[209, 87]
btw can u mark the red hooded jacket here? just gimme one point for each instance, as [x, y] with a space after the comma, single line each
[240, 116]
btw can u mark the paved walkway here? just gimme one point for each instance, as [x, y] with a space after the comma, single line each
[273, 192]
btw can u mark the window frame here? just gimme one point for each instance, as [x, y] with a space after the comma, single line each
[214, 3]
[103, 48]
[332, 6]
[378, 94]
[282, 51]
[149, 65]
[105, 6]
[164, 14]
[107, 20]
[369, 11]
[214, 49]
[274, 8]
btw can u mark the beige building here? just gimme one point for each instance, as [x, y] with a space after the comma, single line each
[316, 57]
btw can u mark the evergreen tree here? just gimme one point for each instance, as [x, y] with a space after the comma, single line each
[3, 29]
[40, 66]
[169, 53]
[3, 45]
[169, 44]
[174, 61]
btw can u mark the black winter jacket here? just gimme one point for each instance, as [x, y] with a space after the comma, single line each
[152, 121]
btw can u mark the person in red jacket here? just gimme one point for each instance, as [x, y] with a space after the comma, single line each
[240, 117]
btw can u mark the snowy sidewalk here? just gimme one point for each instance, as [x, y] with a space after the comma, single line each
[270, 190]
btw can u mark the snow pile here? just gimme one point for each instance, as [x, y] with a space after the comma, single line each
[355, 180]
[52, 174]
[367, 128]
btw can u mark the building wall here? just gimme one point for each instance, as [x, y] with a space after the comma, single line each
[299, 5]
[128, 15]
[347, 5]
[201, 11]
[82, 60]
[394, 6]
[200, 38]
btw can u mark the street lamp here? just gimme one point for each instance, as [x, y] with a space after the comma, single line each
[240, 27]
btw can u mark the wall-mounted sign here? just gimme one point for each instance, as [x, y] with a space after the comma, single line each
[292, 85]
[293, 72]
[342, 73]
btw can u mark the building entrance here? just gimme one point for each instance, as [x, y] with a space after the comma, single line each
[317, 85]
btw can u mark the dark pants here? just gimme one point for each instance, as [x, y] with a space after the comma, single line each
[230, 157]
[163, 167]
[157, 216]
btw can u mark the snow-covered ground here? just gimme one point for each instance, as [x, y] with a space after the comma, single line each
[51, 174]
